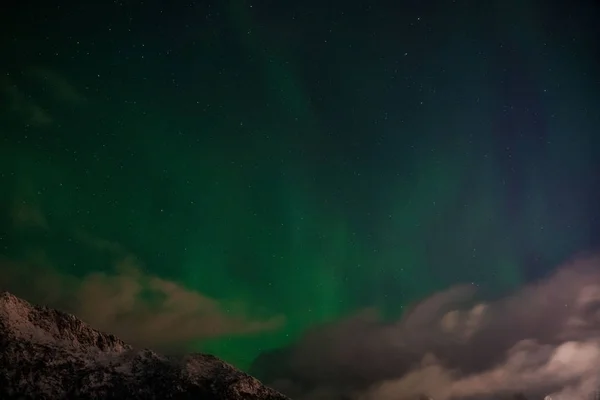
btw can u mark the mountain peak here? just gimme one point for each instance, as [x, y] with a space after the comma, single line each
[48, 354]
[41, 325]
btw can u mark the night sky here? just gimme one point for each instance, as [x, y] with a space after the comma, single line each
[224, 176]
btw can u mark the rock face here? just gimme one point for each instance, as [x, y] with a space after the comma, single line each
[49, 355]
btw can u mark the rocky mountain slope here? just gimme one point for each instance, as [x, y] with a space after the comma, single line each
[47, 354]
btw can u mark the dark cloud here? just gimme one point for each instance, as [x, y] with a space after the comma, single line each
[542, 340]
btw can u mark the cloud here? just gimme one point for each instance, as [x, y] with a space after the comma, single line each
[542, 340]
[26, 214]
[57, 84]
[21, 95]
[568, 370]
[19, 104]
[115, 292]
[156, 312]
[100, 244]
[141, 308]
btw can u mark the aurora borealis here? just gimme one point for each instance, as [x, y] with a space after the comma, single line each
[226, 176]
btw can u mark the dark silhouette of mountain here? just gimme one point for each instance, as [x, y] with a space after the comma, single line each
[46, 354]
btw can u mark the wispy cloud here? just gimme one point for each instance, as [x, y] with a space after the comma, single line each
[57, 84]
[26, 214]
[138, 306]
[20, 105]
[29, 107]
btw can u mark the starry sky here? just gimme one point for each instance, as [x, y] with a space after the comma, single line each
[224, 176]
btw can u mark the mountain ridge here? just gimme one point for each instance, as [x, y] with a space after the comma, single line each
[48, 354]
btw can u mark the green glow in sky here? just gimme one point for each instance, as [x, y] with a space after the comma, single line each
[289, 182]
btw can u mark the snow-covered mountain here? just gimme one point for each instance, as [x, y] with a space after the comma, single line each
[48, 354]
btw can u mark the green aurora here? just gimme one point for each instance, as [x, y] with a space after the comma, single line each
[292, 181]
